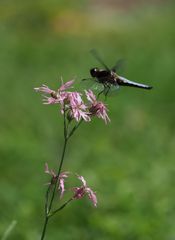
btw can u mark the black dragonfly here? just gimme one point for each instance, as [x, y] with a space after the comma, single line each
[109, 79]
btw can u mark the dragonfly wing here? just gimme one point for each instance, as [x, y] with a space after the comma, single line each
[96, 55]
[97, 87]
[92, 83]
[87, 83]
[119, 65]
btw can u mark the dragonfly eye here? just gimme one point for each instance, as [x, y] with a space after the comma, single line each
[94, 72]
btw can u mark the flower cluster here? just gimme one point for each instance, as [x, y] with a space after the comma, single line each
[73, 104]
[78, 192]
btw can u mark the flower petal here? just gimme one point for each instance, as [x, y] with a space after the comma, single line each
[44, 89]
[46, 169]
[92, 196]
[66, 85]
[62, 177]
[90, 96]
[81, 178]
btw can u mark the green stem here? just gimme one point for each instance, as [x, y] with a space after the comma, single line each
[48, 207]
[47, 199]
[61, 162]
[60, 208]
[59, 171]
[44, 227]
[74, 128]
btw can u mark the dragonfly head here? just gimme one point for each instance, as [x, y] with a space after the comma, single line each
[94, 72]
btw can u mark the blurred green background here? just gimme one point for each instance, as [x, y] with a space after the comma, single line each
[130, 163]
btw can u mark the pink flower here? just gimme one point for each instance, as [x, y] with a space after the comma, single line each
[100, 111]
[55, 96]
[61, 178]
[77, 107]
[80, 192]
[97, 108]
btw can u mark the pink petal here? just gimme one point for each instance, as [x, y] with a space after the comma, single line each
[66, 85]
[81, 178]
[53, 173]
[90, 96]
[64, 174]
[50, 172]
[46, 169]
[62, 177]
[92, 196]
[44, 89]
[61, 187]
[49, 100]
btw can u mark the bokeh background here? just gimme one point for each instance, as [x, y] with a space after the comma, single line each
[130, 163]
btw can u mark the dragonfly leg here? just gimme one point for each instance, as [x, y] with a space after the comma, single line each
[85, 79]
[101, 92]
[106, 91]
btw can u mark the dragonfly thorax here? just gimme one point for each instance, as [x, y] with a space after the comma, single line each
[100, 73]
[104, 76]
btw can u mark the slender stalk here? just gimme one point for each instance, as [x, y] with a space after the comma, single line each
[59, 171]
[44, 227]
[48, 206]
[61, 162]
[60, 208]
[47, 199]
[74, 128]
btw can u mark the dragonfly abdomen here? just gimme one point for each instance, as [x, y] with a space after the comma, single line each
[125, 82]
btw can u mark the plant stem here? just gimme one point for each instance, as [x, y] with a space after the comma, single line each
[59, 171]
[44, 227]
[48, 206]
[60, 208]
[74, 128]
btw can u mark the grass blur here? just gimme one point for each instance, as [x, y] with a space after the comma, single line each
[130, 162]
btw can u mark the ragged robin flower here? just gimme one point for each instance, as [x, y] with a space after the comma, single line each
[80, 192]
[97, 108]
[61, 179]
[55, 96]
[78, 110]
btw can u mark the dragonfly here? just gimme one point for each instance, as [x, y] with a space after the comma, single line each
[108, 78]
